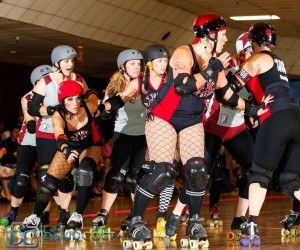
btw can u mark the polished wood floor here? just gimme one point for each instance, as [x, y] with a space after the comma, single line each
[275, 208]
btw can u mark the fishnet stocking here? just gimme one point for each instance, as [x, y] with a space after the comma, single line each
[60, 166]
[191, 142]
[161, 140]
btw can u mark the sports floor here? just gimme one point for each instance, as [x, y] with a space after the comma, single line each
[275, 208]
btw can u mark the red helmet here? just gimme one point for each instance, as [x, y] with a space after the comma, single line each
[69, 88]
[208, 24]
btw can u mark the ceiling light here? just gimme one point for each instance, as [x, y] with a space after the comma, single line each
[251, 18]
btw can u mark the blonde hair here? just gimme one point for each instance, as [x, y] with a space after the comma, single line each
[117, 84]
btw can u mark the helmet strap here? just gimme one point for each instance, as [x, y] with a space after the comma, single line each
[150, 66]
[215, 41]
[60, 70]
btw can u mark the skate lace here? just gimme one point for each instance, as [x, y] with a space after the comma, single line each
[76, 217]
[99, 218]
[214, 210]
[32, 219]
[289, 218]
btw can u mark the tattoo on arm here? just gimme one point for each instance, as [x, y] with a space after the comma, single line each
[179, 65]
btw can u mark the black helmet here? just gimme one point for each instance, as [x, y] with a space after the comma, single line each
[263, 33]
[154, 51]
[208, 23]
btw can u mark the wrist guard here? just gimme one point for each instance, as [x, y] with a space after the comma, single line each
[185, 89]
[66, 151]
[234, 83]
[50, 110]
[115, 102]
[61, 140]
[214, 67]
[251, 110]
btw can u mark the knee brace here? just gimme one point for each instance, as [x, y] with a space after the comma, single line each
[85, 172]
[48, 188]
[131, 180]
[196, 174]
[259, 175]
[114, 179]
[66, 184]
[21, 185]
[289, 183]
[162, 174]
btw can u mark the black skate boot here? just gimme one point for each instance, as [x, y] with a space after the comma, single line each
[64, 216]
[136, 229]
[124, 226]
[75, 222]
[172, 225]
[196, 234]
[7, 219]
[289, 221]
[139, 235]
[45, 219]
[237, 222]
[101, 218]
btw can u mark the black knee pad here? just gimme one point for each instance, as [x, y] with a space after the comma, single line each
[85, 172]
[243, 185]
[259, 175]
[131, 180]
[42, 173]
[114, 178]
[66, 184]
[21, 186]
[155, 182]
[47, 188]
[289, 183]
[196, 174]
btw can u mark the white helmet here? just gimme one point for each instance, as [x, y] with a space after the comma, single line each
[243, 42]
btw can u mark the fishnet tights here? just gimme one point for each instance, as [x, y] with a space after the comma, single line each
[162, 141]
[60, 166]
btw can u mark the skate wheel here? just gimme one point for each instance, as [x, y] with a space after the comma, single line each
[204, 243]
[193, 244]
[147, 245]
[221, 223]
[256, 242]
[137, 245]
[231, 236]
[72, 243]
[283, 232]
[184, 243]
[298, 231]
[122, 233]
[29, 235]
[127, 244]
[293, 232]
[245, 241]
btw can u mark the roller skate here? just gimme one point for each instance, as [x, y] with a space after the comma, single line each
[99, 229]
[73, 230]
[160, 230]
[249, 235]
[31, 227]
[139, 236]
[64, 216]
[45, 222]
[288, 222]
[215, 217]
[235, 232]
[7, 219]
[172, 226]
[196, 234]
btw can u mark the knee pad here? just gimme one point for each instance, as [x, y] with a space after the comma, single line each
[48, 188]
[85, 172]
[289, 183]
[155, 182]
[42, 173]
[131, 180]
[21, 185]
[196, 174]
[114, 179]
[243, 185]
[66, 184]
[259, 175]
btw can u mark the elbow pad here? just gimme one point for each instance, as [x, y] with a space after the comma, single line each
[34, 104]
[232, 102]
[214, 67]
[116, 102]
[185, 89]
[234, 83]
